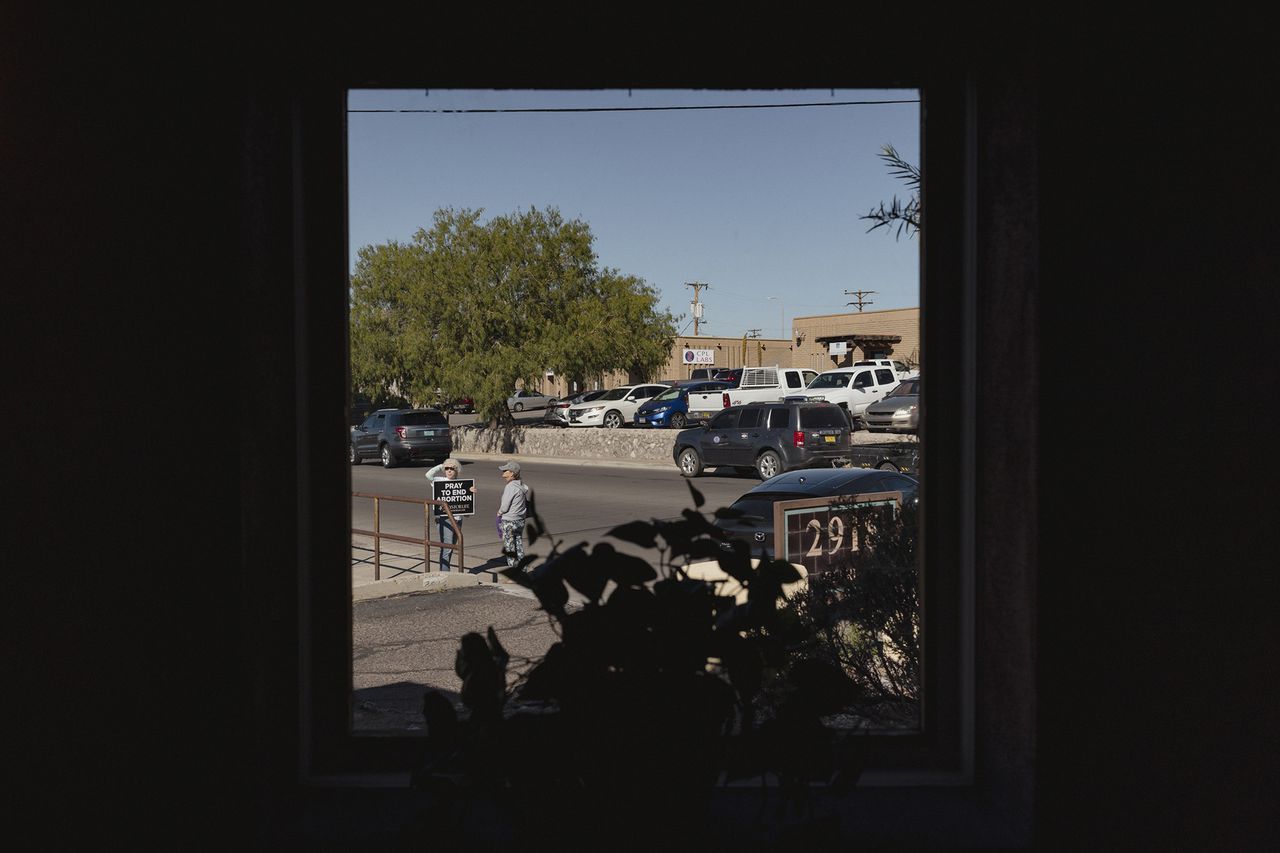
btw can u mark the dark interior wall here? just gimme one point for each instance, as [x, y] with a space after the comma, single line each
[1156, 563]
[147, 201]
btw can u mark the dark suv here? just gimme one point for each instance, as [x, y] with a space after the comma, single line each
[768, 437]
[398, 435]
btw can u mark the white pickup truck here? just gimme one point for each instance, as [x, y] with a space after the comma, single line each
[852, 388]
[757, 385]
[900, 369]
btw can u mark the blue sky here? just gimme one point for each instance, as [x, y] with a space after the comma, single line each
[757, 203]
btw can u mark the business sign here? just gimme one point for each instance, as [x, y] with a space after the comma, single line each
[699, 356]
[457, 494]
[838, 348]
[822, 533]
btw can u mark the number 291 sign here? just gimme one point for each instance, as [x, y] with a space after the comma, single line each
[824, 532]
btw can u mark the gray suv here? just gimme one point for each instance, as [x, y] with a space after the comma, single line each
[400, 435]
[768, 438]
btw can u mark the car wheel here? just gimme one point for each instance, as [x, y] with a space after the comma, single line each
[678, 421]
[612, 419]
[388, 458]
[352, 455]
[887, 466]
[768, 465]
[518, 407]
[690, 462]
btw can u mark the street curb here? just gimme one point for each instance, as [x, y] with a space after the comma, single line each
[419, 583]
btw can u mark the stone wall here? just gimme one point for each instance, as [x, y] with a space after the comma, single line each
[635, 445]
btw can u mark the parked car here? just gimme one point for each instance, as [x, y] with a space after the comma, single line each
[852, 388]
[899, 411]
[615, 407]
[671, 407]
[558, 412]
[400, 435]
[755, 525]
[899, 368]
[524, 399]
[461, 406]
[728, 374]
[768, 437]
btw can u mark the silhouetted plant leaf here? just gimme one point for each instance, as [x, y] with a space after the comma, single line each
[622, 569]
[636, 532]
[702, 549]
[743, 665]
[545, 680]
[698, 499]
[736, 563]
[821, 687]
[728, 512]
[780, 570]
[578, 570]
[548, 586]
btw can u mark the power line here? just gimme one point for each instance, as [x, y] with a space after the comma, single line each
[648, 109]
[860, 294]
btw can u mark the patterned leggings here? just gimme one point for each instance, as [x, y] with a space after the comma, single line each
[513, 541]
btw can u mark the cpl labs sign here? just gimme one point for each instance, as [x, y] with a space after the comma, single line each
[822, 533]
[457, 494]
[699, 356]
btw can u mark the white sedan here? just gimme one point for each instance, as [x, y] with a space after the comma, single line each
[615, 408]
[522, 400]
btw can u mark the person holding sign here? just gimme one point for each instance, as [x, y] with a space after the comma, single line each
[451, 492]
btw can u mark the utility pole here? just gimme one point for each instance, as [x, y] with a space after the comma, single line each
[695, 307]
[859, 294]
[753, 333]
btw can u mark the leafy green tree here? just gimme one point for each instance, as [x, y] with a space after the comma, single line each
[475, 308]
[906, 214]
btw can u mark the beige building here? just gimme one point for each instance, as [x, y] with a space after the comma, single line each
[893, 333]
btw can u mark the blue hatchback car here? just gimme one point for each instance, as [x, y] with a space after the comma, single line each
[671, 408]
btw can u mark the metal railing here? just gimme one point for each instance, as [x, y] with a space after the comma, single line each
[426, 541]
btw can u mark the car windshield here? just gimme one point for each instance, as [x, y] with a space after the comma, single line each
[615, 394]
[757, 508]
[672, 394]
[904, 388]
[422, 418]
[830, 380]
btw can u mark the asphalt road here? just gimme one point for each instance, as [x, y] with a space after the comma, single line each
[579, 501]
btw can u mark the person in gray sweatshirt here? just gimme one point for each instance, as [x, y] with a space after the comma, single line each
[513, 508]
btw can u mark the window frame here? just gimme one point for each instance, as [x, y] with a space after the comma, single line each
[943, 753]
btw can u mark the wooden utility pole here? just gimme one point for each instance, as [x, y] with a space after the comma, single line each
[859, 294]
[695, 306]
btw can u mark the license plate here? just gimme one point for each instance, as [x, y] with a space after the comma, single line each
[829, 439]
[427, 433]
[641, 421]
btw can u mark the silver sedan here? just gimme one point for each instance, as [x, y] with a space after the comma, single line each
[899, 411]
